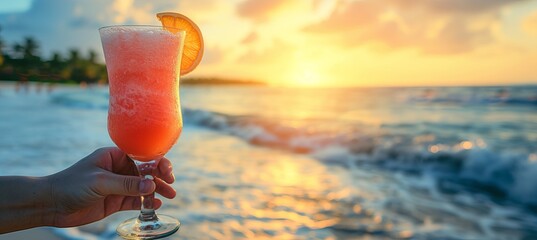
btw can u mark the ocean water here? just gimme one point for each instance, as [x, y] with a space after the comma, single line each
[289, 163]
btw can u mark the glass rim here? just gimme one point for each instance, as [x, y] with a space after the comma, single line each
[140, 26]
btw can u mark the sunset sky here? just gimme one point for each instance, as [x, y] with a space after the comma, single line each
[315, 42]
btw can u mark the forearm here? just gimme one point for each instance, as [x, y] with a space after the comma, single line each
[25, 203]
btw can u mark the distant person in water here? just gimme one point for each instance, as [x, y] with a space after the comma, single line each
[100, 184]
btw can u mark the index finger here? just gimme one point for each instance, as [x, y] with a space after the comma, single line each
[164, 171]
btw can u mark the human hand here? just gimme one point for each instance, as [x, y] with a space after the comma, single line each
[101, 184]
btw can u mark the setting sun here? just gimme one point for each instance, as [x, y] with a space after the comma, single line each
[306, 76]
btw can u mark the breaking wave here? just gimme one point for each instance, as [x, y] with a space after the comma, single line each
[467, 164]
[458, 164]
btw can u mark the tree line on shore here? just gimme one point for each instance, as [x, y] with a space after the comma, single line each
[21, 61]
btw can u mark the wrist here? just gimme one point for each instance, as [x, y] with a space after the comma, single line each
[45, 203]
[29, 203]
[40, 209]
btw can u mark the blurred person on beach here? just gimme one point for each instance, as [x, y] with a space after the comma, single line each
[97, 186]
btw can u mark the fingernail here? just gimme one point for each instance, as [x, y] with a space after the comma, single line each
[146, 186]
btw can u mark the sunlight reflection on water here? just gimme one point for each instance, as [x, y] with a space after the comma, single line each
[269, 195]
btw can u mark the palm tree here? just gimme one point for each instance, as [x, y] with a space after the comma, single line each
[18, 49]
[76, 66]
[27, 52]
[1, 47]
[56, 58]
[92, 57]
[1, 42]
[56, 65]
[74, 56]
[23, 62]
[30, 48]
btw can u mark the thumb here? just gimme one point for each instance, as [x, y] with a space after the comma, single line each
[127, 185]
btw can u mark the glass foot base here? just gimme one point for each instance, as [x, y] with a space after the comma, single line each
[135, 229]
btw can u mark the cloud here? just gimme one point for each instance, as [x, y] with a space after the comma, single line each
[465, 6]
[529, 24]
[63, 24]
[433, 26]
[250, 38]
[213, 56]
[259, 10]
[276, 38]
[278, 51]
[59, 25]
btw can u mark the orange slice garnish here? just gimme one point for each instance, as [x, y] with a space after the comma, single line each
[193, 49]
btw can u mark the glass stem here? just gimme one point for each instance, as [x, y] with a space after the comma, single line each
[145, 169]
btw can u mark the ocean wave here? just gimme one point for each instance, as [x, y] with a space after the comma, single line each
[86, 99]
[457, 163]
[469, 164]
[476, 97]
[475, 101]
